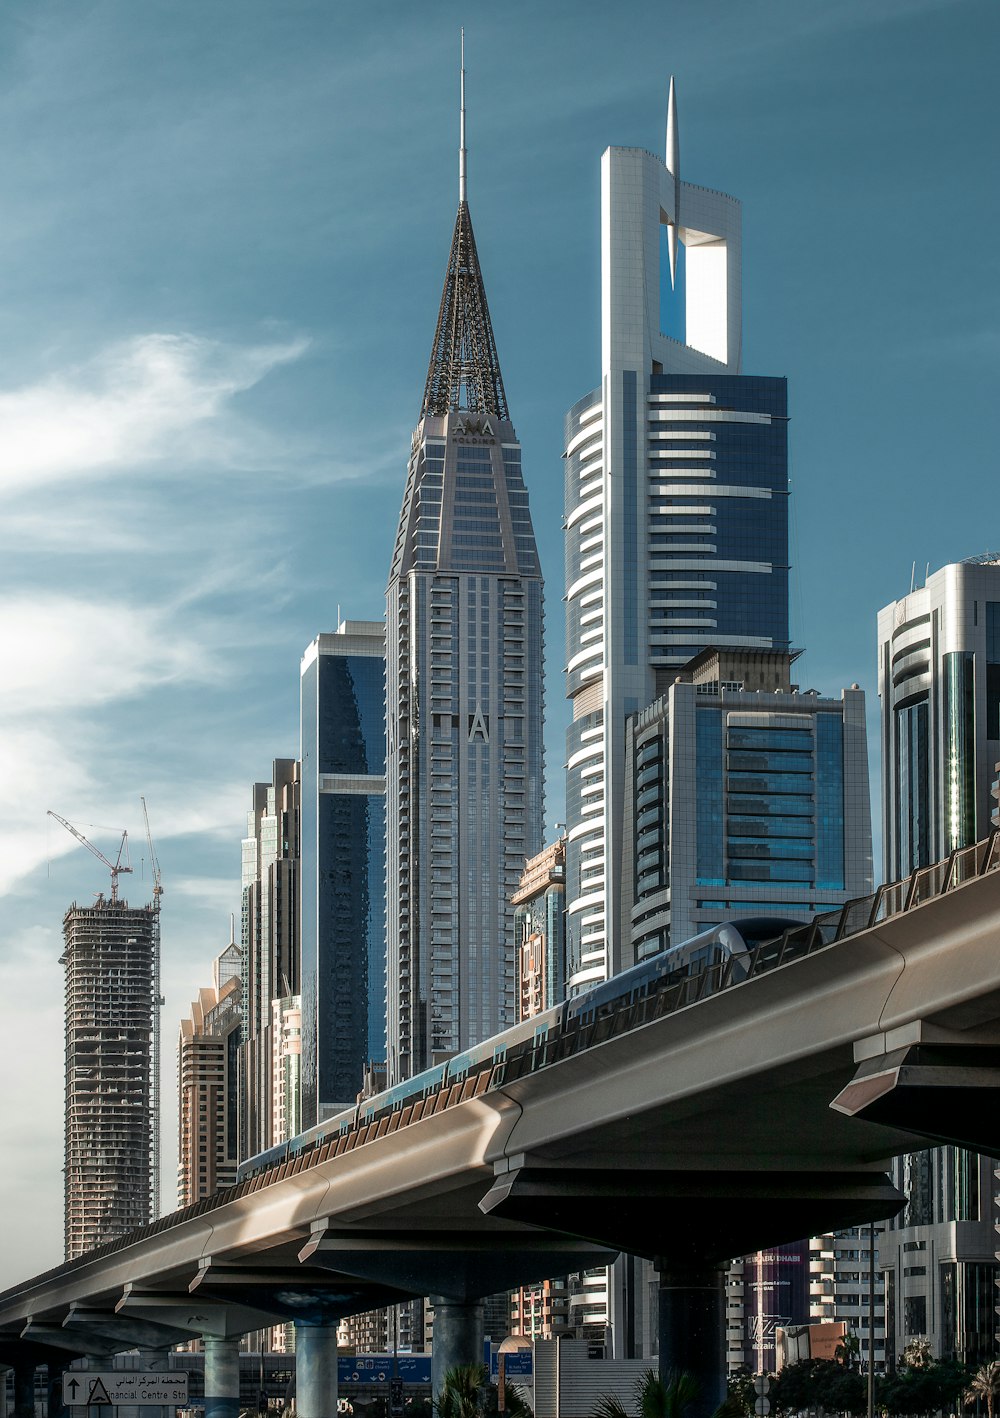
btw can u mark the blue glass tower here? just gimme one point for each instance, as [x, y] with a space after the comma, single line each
[342, 864]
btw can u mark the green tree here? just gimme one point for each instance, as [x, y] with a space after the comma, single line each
[985, 1384]
[848, 1352]
[819, 1383]
[740, 1395]
[460, 1395]
[468, 1393]
[653, 1397]
[922, 1387]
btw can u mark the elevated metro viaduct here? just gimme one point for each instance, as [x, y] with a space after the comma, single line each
[705, 1122]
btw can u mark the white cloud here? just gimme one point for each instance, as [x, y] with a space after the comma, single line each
[61, 653]
[149, 399]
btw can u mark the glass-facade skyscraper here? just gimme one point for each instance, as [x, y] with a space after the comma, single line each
[464, 693]
[676, 505]
[342, 908]
[939, 685]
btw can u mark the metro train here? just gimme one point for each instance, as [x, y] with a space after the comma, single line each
[542, 1039]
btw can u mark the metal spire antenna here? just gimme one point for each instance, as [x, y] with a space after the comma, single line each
[464, 371]
[462, 156]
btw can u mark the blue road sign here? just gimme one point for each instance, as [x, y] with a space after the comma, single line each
[518, 1364]
[377, 1368]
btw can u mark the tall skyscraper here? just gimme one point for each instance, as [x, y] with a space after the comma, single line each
[676, 503]
[108, 955]
[939, 683]
[343, 865]
[269, 942]
[691, 797]
[208, 1084]
[464, 690]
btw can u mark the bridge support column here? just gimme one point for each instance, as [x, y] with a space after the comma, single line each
[55, 1388]
[692, 1329]
[315, 1370]
[24, 1389]
[458, 1337]
[222, 1377]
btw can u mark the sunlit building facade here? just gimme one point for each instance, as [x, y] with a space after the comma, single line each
[676, 490]
[464, 695]
[208, 1084]
[269, 941]
[540, 930]
[676, 505]
[939, 685]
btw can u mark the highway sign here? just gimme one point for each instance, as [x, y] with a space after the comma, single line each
[518, 1364]
[377, 1368]
[82, 1387]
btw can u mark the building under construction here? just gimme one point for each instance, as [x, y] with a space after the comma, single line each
[110, 962]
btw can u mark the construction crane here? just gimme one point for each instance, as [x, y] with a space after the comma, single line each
[116, 867]
[154, 1088]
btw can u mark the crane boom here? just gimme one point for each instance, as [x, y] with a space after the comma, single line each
[115, 867]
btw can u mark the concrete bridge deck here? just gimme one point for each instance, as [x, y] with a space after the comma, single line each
[724, 1117]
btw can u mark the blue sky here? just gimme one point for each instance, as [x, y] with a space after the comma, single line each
[224, 234]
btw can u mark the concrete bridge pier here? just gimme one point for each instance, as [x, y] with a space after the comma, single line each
[692, 1329]
[24, 1389]
[222, 1377]
[56, 1369]
[315, 1369]
[458, 1336]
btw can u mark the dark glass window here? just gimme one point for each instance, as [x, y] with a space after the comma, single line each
[708, 748]
[829, 802]
[915, 1314]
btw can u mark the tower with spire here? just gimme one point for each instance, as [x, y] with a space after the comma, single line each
[464, 624]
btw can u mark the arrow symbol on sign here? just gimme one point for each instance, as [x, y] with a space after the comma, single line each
[73, 1385]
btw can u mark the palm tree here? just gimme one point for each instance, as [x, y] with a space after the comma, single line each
[654, 1397]
[460, 1395]
[468, 1393]
[985, 1383]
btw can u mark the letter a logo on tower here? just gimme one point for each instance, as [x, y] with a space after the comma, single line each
[478, 726]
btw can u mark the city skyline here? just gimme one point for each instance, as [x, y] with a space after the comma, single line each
[181, 361]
